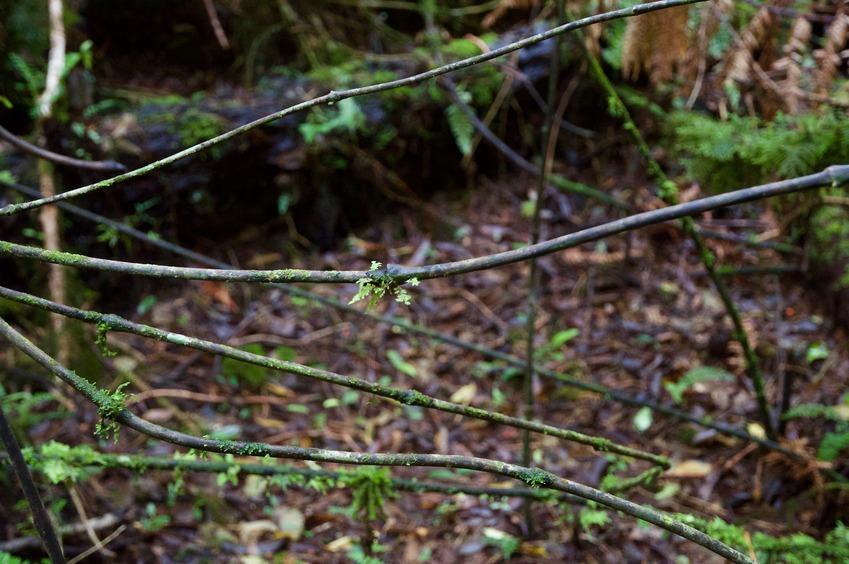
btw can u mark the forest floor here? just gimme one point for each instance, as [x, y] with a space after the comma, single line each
[645, 315]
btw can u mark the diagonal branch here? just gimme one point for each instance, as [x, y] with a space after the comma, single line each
[334, 97]
[112, 322]
[534, 477]
[836, 175]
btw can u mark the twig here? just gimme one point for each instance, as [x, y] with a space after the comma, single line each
[405, 397]
[334, 97]
[108, 166]
[40, 518]
[216, 24]
[534, 477]
[607, 393]
[668, 193]
[836, 175]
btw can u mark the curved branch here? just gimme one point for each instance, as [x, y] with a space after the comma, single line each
[534, 477]
[107, 166]
[606, 392]
[832, 176]
[407, 397]
[334, 96]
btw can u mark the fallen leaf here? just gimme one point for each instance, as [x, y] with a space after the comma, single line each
[465, 394]
[690, 469]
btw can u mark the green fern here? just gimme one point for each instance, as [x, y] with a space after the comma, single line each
[743, 151]
[371, 486]
[461, 128]
[694, 376]
[794, 549]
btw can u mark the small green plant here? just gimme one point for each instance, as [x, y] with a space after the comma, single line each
[371, 486]
[694, 376]
[231, 475]
[27, 409]
[320, 122]
[375, 287]
[195, 126]
[794, 549]
[833, 441]
[358, 554]
[109, 406]
[506, 543]
[591, 516]
[552, 350]
[152, 522]
[60, 462]
[461, 125]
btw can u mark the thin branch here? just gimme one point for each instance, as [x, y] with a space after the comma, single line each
[607, 393]
[334, 97]
[521, 162]
[142, 464]
[38, 152]
[40, 518]
[113, 322]
[837, 175]
[534, 477]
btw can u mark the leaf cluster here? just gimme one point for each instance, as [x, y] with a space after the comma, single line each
[746, 150]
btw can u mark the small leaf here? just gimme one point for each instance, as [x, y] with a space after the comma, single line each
[401, 365]
[562, 337]
[465, 394]
[642, 419]
[817, 351]
[461, 128]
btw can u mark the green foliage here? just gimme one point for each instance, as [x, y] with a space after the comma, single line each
[591, 516]
[829, 229]
[816, 351]
[461, 128]
[109, 405]
[231, 475]
[794, 549]
[358, 555]
[237, 372]
[694, 376]
[60, 462]
[401, 365]
[32, 79]
[6, 558]
[552, 349]
[110, 234]
[834, 441]
[506, 543]
[744, 151]
[23, 408]
[152, 521]
[195, 126]
[375, 287]
[321, 121]
[371, 486]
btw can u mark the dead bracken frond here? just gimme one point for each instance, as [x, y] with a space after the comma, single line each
[790, 65]
[655, 44]
[805, 467]
[829, 57]
[739, 68]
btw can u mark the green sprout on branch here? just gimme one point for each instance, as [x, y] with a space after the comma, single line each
[109, 406]
[375, 287]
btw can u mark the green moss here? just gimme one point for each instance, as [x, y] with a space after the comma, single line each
[536, 478]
